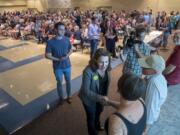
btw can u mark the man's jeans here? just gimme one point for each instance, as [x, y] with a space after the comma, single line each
[59, 77]
[94, 44]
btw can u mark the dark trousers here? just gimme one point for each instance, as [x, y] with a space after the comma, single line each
[110, 46]
[94, 44]
[93, 118]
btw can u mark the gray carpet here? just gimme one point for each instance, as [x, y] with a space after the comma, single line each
[169, 120]
[71, 119]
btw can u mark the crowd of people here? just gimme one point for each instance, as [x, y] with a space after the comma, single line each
[30, 23]
[143, 85]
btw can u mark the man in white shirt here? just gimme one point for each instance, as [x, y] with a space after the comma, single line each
[156, 91]
[94, 35]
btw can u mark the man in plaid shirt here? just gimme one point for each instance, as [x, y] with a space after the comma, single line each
[137, 50]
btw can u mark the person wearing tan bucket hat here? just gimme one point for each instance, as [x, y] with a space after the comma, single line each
[154, 62]
[156, 90]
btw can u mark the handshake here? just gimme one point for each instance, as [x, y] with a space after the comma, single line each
[107, 102]
[104, 100]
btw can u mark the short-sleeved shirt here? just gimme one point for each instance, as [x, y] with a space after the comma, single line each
[59, 48]
[155, 96]
[131, 64]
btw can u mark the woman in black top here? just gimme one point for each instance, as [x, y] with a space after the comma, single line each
[130, 117]
[111, 39]
[94, 89]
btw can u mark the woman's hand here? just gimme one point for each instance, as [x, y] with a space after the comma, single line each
[104, 100]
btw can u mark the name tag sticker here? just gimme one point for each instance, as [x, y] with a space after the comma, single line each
[95, 77]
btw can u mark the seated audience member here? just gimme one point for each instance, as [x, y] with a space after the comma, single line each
[26, 31]
[130, 117]
[69, 30]
[15, 32]
[77, 33]
[156, 91]
[84, 33]
[172, 72]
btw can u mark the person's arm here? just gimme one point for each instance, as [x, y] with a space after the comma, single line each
[116, 126]
[90, 30]
[139, 53]
[169, 69]
[50, 57]
[164, 28]
[70, 50]
[113, 103]
[69, 53]
[48, 53]
[124, 53]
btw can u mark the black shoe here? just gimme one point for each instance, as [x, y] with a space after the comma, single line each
[69, 100]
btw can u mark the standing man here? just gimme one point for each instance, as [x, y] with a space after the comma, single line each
[58, 50]
[156, 90]
[94, 35]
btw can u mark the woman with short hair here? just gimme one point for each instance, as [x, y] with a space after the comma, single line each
[130, 117]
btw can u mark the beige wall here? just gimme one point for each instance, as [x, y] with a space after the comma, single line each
[167, 5]
[12, 2]
[41, 5]
[12, 5]
[116, 4]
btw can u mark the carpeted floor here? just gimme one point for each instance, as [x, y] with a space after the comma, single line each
[70, 119]
[169, 121]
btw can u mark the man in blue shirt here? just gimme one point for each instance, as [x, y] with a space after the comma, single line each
[58, 50]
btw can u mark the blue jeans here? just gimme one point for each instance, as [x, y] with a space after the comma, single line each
[59, 77]
[94, 44]
[93, 117]
[165, 39]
